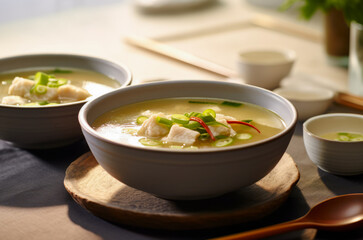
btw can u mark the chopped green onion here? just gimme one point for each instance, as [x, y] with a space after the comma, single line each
[43, 103]
[244, 136]
[164, 121]
[149, 142]
[223, 142]
[140, 120]
[192, 125]
[202, 102]
[221, 136]
[55, 83]
[216, 123]
[41, 78]
[210, 112]
[201, 129]
[356, 139]
[193, 114]
[345, 137]
[247, 121]
[180, 118]
[57, 70]
[204, 136]
[40, 89]
[204, 126]
[208, 118]
[343, 134]
[62, 81]
[232, 104]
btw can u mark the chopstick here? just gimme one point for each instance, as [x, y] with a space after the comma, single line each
[173, 53]
[349, 100]
[154, 46]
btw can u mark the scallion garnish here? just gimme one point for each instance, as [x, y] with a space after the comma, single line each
[192, 125]
[209, 112]
[208, 118]
[55, 83]
[43, 103]
[140, 120]
[201, 122]
[216, 123]
[193, 114]
[41, 78]
[149, 142]
[180, 118]
[57, 70]
[40, 89]
[223, 142]
[204, 136]
[164, 121]
[232, 104]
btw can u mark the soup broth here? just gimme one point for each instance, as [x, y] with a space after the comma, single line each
[175, 123]
[92, 82]
[343, 136]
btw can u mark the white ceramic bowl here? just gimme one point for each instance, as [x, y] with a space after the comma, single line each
[341, 158]
[188, 174]
[54, 125]
[265, 67]
[308, 102]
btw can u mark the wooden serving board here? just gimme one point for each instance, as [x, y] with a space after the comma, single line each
[104, 196]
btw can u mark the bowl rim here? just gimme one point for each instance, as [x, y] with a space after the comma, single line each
[289, 54]
[326, 116]
[82, 117]
[126, 69]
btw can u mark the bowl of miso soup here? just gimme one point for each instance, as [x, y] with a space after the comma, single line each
[41, 95]
[188, 139]
[334, 142]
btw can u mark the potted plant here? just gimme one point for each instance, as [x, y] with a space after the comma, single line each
[338, 14]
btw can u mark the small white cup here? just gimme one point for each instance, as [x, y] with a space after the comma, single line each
[336, 157]
[265, 68]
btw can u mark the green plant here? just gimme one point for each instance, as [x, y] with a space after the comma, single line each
[352, 9]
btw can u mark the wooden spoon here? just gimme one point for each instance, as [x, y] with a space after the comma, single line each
[338, 213]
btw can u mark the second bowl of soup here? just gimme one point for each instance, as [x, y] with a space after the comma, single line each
[40, 95]
[188, 139]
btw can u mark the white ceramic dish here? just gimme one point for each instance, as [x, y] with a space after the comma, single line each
[265, 67]
[341, 158]
[308, 102]
[188, 174]
[54, 125]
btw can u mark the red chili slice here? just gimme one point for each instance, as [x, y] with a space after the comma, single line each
[244, 123]
[201, 122]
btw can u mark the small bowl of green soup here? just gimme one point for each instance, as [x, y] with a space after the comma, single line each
[334, 142]
[188, 139]
[41, 95]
